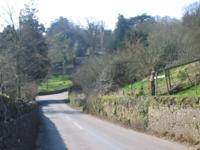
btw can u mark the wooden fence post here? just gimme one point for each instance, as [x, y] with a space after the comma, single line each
[167, 83]
[152, 83]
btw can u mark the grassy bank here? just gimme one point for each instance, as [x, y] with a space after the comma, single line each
[136, 87]
[193, 91]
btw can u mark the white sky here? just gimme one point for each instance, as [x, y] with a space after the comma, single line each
[106, 10]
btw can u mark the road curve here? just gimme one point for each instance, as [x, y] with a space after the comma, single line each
[63, 128]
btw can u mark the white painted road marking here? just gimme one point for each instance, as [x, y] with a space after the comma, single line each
[77, 125]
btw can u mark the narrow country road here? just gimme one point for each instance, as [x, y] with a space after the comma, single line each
[64, 128]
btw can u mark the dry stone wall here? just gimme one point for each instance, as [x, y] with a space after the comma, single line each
[175, 117]
[19, 132]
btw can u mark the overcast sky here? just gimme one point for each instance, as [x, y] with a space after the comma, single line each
[106, 10]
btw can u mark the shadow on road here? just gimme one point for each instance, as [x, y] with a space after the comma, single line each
[49, 102]
[49, 137]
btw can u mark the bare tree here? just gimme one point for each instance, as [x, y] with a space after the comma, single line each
[24, 62]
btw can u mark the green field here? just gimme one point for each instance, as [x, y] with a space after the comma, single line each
[193, 91]
[184, 76]
[54, 83]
